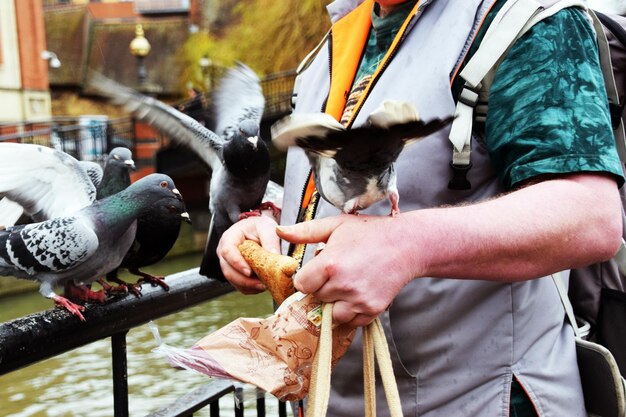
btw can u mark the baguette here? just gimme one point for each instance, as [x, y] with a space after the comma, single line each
[274, 270]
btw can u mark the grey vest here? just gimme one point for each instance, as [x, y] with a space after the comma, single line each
[455, 344]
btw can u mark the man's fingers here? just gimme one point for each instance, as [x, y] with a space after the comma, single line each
[244, 284]
[309, 232]
[311, 277]
[343, 312]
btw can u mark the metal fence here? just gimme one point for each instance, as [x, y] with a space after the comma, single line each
[27, 340]
[87, 138]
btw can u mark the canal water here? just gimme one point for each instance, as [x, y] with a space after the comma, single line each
[79, 383]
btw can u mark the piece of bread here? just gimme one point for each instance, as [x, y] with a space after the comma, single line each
[274, 270]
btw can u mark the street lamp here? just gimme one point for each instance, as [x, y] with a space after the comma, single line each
[140, 48]
[206, 65]
[52, 59]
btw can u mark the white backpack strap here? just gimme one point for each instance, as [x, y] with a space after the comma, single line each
[514, 19]
[567, 305]
[509, 22]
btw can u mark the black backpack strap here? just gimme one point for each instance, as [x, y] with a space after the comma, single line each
[620, 34]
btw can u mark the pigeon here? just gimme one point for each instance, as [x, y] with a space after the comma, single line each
[46, 182]
[116, 175]
[85, 245]
[231, 146]
[354, 168]
[157, 231]
[94, 171]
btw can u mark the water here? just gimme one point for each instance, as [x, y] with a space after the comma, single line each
[79, 383]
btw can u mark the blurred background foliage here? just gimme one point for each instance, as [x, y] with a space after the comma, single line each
[269, 36]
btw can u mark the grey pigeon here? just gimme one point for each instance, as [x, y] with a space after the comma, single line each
[232, 148]
[157, 231]
[94, 171]
[85, 245]
[116, 175]
[49, 183]
[354, 168]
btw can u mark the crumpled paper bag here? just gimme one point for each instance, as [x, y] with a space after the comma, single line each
[274, 353]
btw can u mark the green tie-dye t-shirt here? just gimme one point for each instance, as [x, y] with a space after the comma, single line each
[548, 110]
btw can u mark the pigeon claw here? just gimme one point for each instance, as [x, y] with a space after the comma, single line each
[152, 279]
[113, 289]
[75, 309]
[268, 205]
[394, 199]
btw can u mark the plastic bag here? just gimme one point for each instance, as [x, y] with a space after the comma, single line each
[274, 353]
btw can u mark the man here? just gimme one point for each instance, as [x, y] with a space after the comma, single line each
[460, 278]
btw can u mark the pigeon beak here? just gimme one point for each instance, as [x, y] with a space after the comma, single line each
[130, 164]
[185, 216]
[254, 140]
[177, 194]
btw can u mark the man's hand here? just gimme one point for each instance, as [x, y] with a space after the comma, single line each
[261, 229]
[359, 268]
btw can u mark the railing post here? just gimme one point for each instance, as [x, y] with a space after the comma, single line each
[120, 374]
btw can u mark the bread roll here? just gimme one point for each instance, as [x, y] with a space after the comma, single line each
[274, 270]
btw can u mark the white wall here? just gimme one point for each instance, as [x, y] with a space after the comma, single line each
[10, 65]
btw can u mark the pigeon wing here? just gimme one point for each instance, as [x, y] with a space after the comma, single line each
[302, 128]
[10, 212]
[176, 125]
[238, 97]
[46, 182]
[372, 148]
[93, 170]
[56, 245]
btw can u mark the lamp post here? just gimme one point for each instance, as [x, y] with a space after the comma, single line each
[206, 65]
[52, 58]
[140, 48]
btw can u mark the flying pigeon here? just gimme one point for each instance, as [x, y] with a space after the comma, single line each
[354, 168]
[231, 147]
[85, 245]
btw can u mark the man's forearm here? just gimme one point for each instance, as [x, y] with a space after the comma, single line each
[545, 227]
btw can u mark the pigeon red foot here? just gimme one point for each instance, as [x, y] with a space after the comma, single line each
[134, 289]
[121, 288]
[154, 280]
[81, 292]
[268, 205]
[75, 309]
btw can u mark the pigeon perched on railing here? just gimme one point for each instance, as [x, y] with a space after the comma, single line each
[85, 245]
[116, 175]
[354, 168]
[49, 183]
[157, 231]
[46, 182]
[232, 148]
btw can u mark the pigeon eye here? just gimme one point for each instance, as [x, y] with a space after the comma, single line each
[116, 157]
[163, 184]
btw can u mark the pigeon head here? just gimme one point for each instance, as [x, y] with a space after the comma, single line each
[122, 157]
[246, 154]
[116, 176]
[140, 196]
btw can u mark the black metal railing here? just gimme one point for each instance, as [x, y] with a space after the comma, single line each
[30, 339]
[87, 138]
